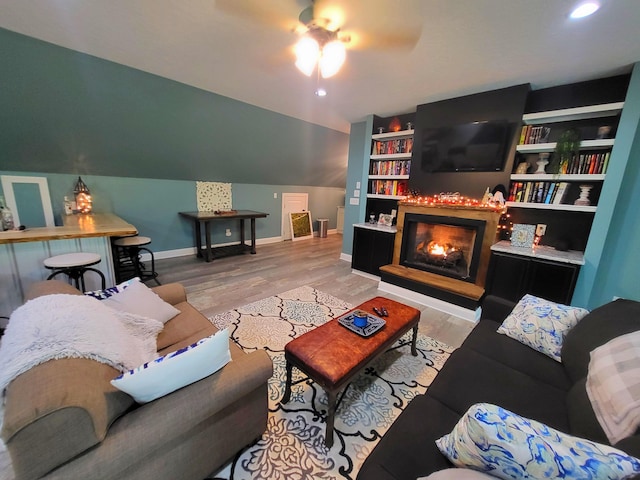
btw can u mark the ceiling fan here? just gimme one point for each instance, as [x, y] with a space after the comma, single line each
[326, 29]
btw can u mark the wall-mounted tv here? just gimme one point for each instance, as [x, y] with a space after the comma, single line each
[469, 147]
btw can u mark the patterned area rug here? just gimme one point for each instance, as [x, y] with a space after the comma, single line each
[293, 444]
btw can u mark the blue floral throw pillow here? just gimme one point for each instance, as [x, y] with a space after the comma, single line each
[541, 324]
[493, 440]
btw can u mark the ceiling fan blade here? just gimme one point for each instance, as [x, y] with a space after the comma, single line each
[282, 14]
[377, 24]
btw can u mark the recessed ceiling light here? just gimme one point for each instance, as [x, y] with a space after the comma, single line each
[585, 9]
[321, 92]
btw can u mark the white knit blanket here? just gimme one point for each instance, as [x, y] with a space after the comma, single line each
[74, 326]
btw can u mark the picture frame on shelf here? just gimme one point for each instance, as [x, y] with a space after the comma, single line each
[385, 219]
[523, 235]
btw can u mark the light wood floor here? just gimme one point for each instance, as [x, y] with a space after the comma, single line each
[228, 283]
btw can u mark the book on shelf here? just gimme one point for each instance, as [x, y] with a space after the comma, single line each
[389, 187]
[560, 193]
[534, 134]
[390, 167]
[388, 147]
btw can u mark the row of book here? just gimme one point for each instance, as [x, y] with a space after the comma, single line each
[530, 134]
[586, 163]
[551, 193]
[391, 167]
[387, 147]
[389, 187]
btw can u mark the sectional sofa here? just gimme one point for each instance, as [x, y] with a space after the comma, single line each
[497, 369]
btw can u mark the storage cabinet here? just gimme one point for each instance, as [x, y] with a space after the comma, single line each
[371, 249]
[511, 276]
[581, 178]
[390, 164]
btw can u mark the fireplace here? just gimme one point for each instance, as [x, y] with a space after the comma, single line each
[447, 246]
[443, 251]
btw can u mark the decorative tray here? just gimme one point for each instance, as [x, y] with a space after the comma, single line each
[373, 324]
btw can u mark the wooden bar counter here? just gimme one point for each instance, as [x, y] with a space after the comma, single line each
[22, 252]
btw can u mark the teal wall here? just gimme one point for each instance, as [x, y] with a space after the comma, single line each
[612, 255]
[359, 151]
[152, 205]
[67, 112]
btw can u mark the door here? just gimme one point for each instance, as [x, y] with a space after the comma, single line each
[292, 202]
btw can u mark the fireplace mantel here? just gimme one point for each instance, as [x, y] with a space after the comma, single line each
[466, 293]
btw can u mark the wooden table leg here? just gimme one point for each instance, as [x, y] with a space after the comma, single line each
[253, 236]
[414, 352]
[207, 234]
[331, 413]
[287, 386]
[198, 239]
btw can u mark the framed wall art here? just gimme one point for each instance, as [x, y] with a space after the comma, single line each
[300, 225]
[523, 235]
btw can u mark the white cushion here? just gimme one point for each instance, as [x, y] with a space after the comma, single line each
[613, 385]
[491, 439]
[541, 324]
[139, 299]
[177, 369]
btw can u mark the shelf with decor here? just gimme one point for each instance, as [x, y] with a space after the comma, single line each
[572, 114]
[582, 167]
[390, 164]
[551, 146]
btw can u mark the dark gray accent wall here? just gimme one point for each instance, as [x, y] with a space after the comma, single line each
[67, 112]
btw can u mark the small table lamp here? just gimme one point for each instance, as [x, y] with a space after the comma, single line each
[83, 197]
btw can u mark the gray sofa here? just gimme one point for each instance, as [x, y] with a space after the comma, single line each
[493, 368]
[63, 419]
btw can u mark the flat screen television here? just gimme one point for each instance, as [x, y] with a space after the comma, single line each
[469, 147]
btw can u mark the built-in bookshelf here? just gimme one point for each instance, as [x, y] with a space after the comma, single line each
[584, 172]
[390, 164]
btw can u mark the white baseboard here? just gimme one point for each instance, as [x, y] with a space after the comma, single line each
[435, 303]
[365, 275]
[345, 256]
[183, 252]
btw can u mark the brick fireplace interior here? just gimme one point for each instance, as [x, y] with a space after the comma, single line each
[443, 251]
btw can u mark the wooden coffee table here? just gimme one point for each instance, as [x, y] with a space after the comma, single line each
[332, 355]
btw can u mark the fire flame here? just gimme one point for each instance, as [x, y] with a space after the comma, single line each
[440, 250]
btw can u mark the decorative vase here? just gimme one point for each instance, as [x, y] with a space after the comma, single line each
[541, 165]
[583, 199]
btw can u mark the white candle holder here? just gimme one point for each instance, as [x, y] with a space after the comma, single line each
[583, 199]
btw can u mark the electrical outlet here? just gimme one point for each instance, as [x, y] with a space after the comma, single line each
[541, 229]
[228, 232]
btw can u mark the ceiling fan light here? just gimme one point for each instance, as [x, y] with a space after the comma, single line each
[307, 52]
[333, 56]
[585, 9]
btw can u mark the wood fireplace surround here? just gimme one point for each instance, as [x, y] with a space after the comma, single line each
[461, 292]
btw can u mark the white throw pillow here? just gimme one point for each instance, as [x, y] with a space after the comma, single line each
[541, 324]
[177, 369]
[139, 299]
[613, 385]
[494, 440]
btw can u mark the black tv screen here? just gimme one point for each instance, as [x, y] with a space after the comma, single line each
[470, 147]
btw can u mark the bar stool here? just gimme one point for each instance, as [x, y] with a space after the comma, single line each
[74, 265]
[129, 264]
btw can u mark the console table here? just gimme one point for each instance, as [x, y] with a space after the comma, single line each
[199, 218]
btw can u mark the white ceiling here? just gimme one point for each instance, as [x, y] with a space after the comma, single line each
[466, 46]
